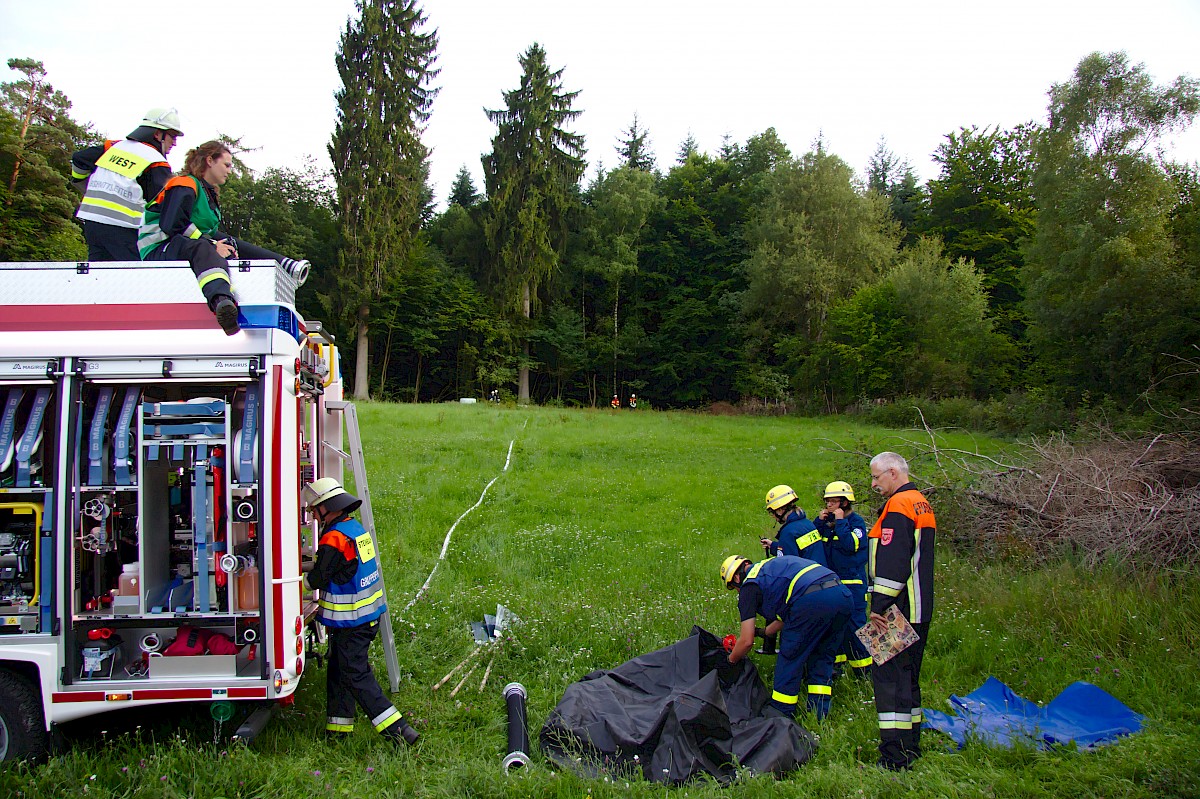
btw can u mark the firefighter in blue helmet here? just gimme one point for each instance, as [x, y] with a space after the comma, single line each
[346, 572]
[797, 536]
[807, 602]
[845, 534]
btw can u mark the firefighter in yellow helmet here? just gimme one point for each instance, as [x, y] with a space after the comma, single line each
[845, 534]
[346, 572]
[807, 602]
[797, 535]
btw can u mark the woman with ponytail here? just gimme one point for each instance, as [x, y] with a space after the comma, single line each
[183, 224]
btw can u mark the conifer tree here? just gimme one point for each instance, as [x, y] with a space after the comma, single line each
[687, 148]
[634, 149]
[385, 61]
[463, 191]
[532, 181]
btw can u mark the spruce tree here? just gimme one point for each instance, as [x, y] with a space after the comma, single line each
[463, 191]
[687, 148]
[385, 61]
[532, 180]
[634, 149]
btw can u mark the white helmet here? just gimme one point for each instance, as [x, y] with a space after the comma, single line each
[328, 493]
[163, 119]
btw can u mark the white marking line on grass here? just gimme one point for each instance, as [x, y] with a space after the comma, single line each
[450, 532]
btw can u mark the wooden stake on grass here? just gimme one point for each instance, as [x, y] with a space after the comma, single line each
[463, 681]
[487, 672]
[452, 671]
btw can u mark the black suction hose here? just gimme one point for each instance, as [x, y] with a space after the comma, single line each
[518, 737]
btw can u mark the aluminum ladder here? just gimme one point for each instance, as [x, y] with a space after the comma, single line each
[358, 465]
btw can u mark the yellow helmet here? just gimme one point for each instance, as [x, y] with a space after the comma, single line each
[839, 488]
[729, 569]
[328, 492]
[779, 496]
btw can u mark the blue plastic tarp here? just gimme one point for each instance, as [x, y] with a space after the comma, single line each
[994, 714]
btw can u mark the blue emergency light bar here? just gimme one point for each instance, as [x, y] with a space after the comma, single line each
[266, 317]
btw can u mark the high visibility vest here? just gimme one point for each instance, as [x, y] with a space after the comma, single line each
[360, 599]
[902, 553]
[206, 217]
[782, 579]
[113, 195]
[809, 543]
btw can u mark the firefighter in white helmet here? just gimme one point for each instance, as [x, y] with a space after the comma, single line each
[346, 572]
[118, 178]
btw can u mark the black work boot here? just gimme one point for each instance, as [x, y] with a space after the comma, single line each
[226, 311]
[402, 732]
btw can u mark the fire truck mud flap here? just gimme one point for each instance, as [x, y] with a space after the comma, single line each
[255, 722]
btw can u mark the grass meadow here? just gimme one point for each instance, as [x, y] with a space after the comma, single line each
[604, 536]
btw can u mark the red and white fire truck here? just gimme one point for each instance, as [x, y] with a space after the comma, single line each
[151, 528]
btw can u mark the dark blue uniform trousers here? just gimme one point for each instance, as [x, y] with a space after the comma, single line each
[349, 680]
[813, 628]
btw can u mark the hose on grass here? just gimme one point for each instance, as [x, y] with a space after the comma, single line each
[446, 542]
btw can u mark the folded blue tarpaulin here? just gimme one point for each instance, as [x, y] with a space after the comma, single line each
[995, 715]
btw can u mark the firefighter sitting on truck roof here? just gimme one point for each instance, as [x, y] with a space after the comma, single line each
[346, 572]
[117, 179]
[182, 224]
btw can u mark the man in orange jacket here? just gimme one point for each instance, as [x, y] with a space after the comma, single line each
[901, 570]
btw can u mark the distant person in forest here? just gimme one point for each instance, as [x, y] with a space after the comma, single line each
[118, 178]
[901, 573]
[632, 401]
[182, 224]
[616, 402]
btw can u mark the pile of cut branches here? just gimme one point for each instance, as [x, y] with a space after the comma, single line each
[1114, 498]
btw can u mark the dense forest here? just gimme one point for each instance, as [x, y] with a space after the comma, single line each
[1048, 271]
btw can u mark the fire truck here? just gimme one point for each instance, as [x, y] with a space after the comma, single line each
[151, 526]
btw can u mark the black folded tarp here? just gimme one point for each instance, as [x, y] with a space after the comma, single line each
[668, 715]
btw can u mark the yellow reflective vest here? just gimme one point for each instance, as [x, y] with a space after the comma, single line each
[113, 195]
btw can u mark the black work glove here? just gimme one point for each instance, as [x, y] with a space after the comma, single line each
[760, 632]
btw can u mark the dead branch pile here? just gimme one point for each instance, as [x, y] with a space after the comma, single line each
[1135, 501]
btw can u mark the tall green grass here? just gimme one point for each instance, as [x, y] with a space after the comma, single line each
[604, 536]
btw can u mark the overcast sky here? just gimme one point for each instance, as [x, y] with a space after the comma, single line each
[851, 71]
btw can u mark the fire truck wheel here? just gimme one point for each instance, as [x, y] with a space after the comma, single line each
[22, 730]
